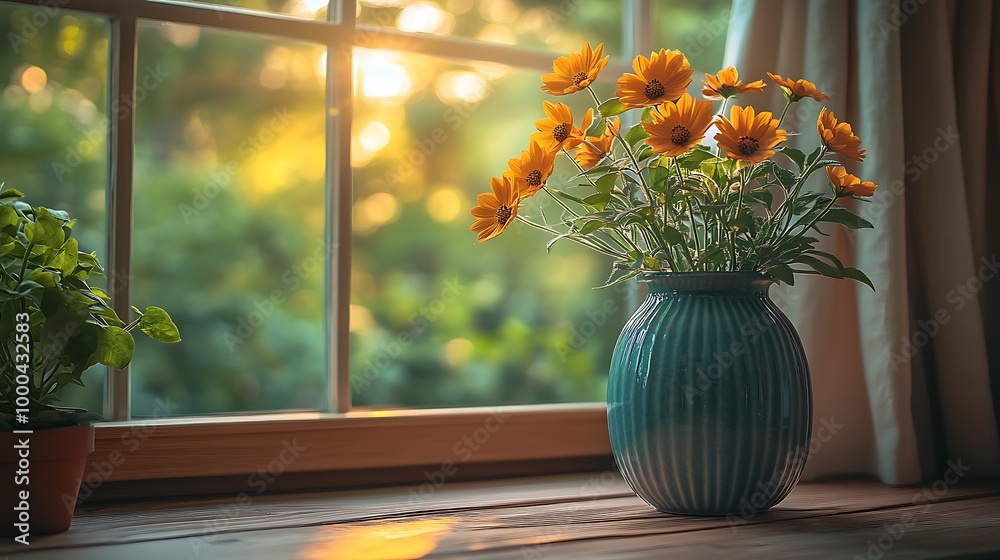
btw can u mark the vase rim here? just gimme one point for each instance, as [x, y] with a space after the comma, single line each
[717, 281]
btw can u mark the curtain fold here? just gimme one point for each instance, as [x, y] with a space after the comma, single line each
[902, 374]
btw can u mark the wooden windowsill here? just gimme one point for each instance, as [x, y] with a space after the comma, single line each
[361, 448]
[581, 516]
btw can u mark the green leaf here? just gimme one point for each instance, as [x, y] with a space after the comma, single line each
[46, 230]
[855, 274]
[612, 107]
[672, 236]
[8, 218]
[114, 347]
[782, 273]
[606, 183]
[847, 218]
[796, 156]
[597, 128]
[636, 134]
[598, 200]
[158, 325]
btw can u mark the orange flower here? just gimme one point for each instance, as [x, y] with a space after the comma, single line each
[591, 152]
[557, 131]
[838, 136]
[496, 210]
[727, 83]
[678, 127]
[532, 169]
[664, 76]
[797, 89]
[575, 72]
[749, 137]
[848, 184]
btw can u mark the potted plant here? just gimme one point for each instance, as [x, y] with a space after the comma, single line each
[709, 399]
[53, 326]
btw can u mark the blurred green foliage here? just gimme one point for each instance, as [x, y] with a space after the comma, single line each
[229, 172]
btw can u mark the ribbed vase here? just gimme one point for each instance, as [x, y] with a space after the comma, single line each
[709, 398]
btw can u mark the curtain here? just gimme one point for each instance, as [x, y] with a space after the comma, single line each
[901, 376]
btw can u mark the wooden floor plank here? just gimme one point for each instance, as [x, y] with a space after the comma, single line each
[544, 517]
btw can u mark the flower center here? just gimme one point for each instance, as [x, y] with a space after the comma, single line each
[654, 89]
[534, 178]
[561, 132]
[579, 77]
[748, 145]
[679, 135]
[503, 214]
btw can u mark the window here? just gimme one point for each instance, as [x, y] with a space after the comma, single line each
[241, 164]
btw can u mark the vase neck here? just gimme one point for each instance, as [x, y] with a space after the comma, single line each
[707, 283]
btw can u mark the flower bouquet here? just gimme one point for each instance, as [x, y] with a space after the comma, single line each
[653, 197]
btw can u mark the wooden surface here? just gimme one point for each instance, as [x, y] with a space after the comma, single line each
[580, 516]
[239, 445]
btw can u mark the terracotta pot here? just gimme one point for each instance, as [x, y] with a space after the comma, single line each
[56, 460]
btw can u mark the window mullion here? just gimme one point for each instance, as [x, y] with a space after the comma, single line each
[339, 176]
[122, 147]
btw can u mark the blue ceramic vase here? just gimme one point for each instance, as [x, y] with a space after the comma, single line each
[709, 399]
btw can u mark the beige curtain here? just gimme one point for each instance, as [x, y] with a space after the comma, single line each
[901, 377]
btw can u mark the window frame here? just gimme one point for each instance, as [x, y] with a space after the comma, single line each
[341, 439]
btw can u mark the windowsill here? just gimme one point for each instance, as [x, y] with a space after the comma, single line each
[390, 446]
[582, 515]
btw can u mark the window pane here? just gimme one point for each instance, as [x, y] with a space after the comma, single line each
[229, 220]
[307, 9]
[54, 129]
[698, 29]
[436, 319]
[561, 26]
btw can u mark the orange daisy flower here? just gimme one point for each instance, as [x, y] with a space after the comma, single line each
[591, 152]
[838, 136]
[677, 127]
[797, 89]
[496, 209]
[532, 169]
[749, 137]
[727, 83]
[556, 131]
[664, 76]
[849, 184]
[576, 71]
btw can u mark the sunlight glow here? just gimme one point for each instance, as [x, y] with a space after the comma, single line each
[33, 79]
[425, 17]
[382, 79]
[445, 204]
[374, 136]
[461, 86]
[380, 541]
